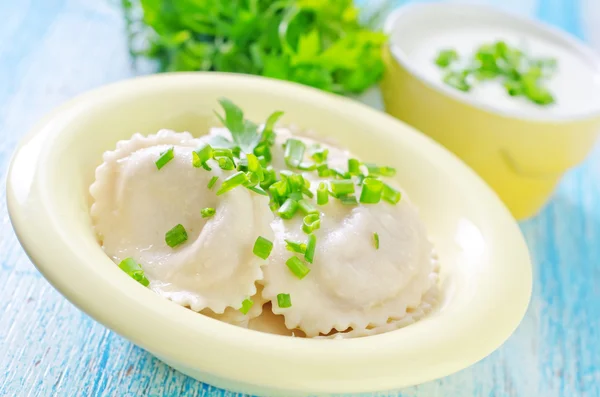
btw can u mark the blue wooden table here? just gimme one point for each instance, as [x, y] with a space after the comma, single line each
[52, 50]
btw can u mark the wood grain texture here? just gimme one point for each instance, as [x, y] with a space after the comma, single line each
[52, 50]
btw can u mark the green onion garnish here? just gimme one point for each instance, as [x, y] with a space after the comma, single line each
[374, 169]
[376, 240]
[223, 152]
[201, 155]
[320, 155]
[340, 188]
[390, 194]
[134, 270]
[322, 194]
[307, 208]
[348, 200]
[246, 306]
[226, 163]
[311, 246]
[284, 301]
[457, 80]
[288, 209]
[294, 152]
[207, 212]
[310, 223]
[258, 190]
[297, 267]
[295, 247]
[262, 247]
[254, 166]
[446, 57]
[353, 166]
[235, 180]
[176, 236]
[371, 191]
[323, 170]
[212, 182]
[164, 158]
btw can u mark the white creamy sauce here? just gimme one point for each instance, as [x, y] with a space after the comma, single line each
[575, 84]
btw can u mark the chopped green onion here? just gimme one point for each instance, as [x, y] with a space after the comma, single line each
[212, 181]
[207, 212]
[340, 173]
[376, 240]
[353, 166]
[258, 190]
[288, 209]
[307, 208]
[297, 267]
[284, 301]
[295, 247]
[310, 223]
[374, 169]
[322, 194]
[311, 246]
[340, 188]
[262, 247]
[294, 152]
[134, 270]
[269, 178]
[252, 179]
[254, 166]
[164, 158]
[348, 200]
[457, 80]
[306, 166]
[320, 155]
[176, 236]
[201, 155]
[390, 194]
[226, 163]
[371, 191]
[221, 152]
[446, 57]
[323, 170]
[235, 180]
[246, 306]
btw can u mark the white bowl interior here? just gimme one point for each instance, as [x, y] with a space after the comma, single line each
[485, 269]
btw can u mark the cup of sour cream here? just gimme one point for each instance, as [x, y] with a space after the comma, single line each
[519, 144]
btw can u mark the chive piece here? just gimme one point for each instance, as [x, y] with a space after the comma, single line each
[340, 173]
[390, 194]
[376, 240]
[252, 179]
[310, 223]
[284, 301]
[311, 246]
[258, 190]
[457, 80]
[246, 306]
[212, 182]
[294, 152]
[176, 236]
[164, 158]
[353, 166]
[232, 182]
[262, 247]
[226, 163]
[320, 155]
[348, 200]
[222, 152]
[288, 209]
[374, 169]
[297, 267]
[371, 191]
[446, 57]
[323, 170]
[254, 166]
[134, 270]
[307, 166]
[295, 247]
[340, 188]
[207, 212]
[201, 155]
[307, 208]
[322, 194]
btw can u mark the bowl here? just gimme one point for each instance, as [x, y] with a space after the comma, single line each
[522, 154]
[485, 276]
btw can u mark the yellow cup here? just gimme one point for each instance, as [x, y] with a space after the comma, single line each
[522, 159]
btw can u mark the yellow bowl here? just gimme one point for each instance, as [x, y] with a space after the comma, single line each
[485, 268]
[521, 157]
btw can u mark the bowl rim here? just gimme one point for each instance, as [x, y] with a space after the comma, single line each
[141, 307]
[583, 50]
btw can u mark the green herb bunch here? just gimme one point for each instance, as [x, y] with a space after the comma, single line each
[521, 75]
[319, 43]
